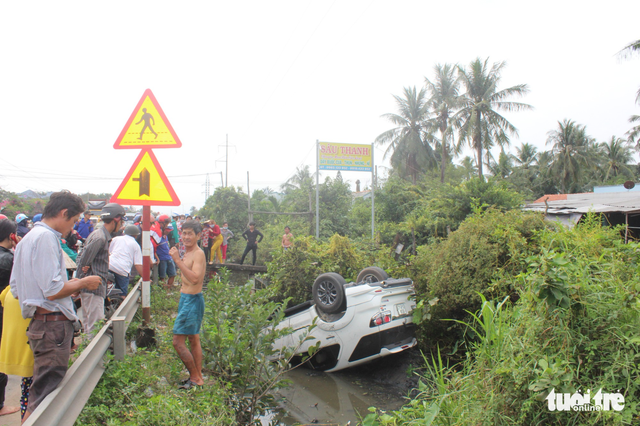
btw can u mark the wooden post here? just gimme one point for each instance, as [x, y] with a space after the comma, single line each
[626, 228]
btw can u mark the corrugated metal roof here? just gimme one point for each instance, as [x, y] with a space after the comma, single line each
[620, 202]
[551, 197]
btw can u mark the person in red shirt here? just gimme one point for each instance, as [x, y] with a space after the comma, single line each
[204, 240]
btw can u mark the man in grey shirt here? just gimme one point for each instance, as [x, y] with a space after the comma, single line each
[94, 260]
[39, 282]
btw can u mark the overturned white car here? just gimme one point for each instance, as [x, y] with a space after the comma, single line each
[356, 322]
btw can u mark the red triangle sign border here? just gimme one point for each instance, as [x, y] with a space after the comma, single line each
[153, 99]
[136, 202]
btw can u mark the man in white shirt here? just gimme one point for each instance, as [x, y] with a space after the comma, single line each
[39, 281]
[124, 252]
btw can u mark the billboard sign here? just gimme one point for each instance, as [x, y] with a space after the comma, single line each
[345, 156]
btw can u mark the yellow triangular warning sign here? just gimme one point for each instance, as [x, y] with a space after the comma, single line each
[147, 127]
[146, 184]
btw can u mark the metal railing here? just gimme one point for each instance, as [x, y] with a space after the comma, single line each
[63, 405]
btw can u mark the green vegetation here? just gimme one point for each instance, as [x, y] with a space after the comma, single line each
[237, 350]
[573, 328]
[478, 260]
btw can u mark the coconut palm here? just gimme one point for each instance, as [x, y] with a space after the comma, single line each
[409, 149]
[617, 156]
[444, 99]
[524, 170]
[633, 135]
[570, 151]
[479, 122]
[526, 155]
[469, 167]
[501, 168]
[302, 179]
[629, 50]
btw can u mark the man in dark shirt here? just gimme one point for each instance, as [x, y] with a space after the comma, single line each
[8, 241]
[94, 260]
[251, 235]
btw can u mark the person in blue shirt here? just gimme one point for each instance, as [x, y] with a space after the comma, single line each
[84, 226]
[166, 266]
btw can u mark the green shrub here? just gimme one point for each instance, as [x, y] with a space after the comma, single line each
[476, 259]
[579, 334]
[293, 271]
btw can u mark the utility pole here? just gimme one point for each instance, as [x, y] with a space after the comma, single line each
[225, 178]
[226, 161]
[207, 188]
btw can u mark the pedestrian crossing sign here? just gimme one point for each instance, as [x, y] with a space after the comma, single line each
[147, 127]
[146, 184]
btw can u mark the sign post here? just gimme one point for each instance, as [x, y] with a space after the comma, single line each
[346, 157]
[146, 184]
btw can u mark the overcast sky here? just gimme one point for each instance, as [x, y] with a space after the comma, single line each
[278, 75]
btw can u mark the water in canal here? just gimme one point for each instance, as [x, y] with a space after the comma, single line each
[338, 398]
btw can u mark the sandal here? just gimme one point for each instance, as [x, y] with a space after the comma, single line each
[184, 382]
[188, 385]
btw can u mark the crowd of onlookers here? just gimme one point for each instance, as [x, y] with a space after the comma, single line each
[63, 257]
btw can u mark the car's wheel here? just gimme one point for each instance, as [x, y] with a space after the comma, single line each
[328, 292]
[111, 305]
[372, 274]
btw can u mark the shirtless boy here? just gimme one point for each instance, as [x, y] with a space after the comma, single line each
[191, 307]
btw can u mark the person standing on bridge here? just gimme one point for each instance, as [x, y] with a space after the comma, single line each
[215, 241]
[191, 307]
[251, 235]
[39, 281]
[227, 234]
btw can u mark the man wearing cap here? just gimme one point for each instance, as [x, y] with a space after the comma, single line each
[84, 226]
[94, 260]
[39, 281]
[124, 253]
[23, 225]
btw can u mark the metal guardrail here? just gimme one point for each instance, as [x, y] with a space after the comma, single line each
[63, 405]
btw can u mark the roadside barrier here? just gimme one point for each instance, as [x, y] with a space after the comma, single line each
[63, 405]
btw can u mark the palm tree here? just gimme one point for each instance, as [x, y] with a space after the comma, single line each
[479, 122]
[570, 151]
[617, 156]
[469, 167]
[629, 50]
[501, 168]
[302, 179]
[526, 155]
[443, 101]
[633, 135]
[524, 169]
[409, 146]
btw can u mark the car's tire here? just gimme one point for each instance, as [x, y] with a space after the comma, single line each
[372, 274]
[328, 292]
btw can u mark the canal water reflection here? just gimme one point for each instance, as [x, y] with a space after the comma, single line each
[332, 398]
